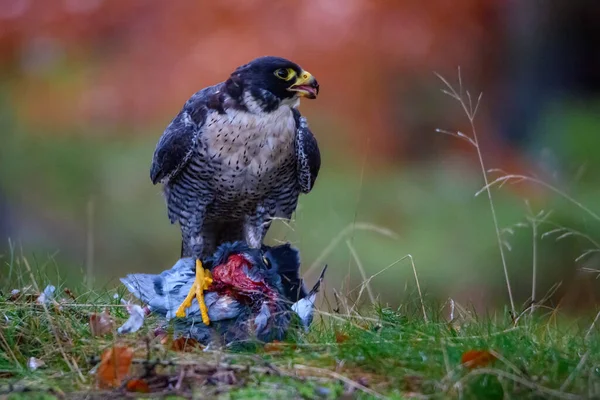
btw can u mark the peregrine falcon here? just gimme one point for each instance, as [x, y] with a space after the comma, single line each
[236, 156]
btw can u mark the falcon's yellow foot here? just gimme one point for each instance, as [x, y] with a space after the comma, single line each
[201, 283]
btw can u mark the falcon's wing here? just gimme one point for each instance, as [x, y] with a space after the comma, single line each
[177, 142]
[307, 153]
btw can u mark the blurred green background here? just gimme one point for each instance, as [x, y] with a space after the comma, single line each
[88, 86]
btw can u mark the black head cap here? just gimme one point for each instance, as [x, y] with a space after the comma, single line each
[274, 77]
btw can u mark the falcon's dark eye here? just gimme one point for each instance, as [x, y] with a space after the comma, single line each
[267, 262]
[285, 73]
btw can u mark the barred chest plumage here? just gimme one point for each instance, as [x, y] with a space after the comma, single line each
[248, 142]
[246, 158]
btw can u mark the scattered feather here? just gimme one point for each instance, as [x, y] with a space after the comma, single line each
[135, 321]
[35, 363]
[47, 295]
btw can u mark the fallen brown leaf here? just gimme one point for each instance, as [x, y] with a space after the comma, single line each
[341, 337]
[412, 383]
[14, 295]
[476, 358]
[137, 385]
[101, 324]
[185, 344]
[165, 340]
[274, 347]
[69, 293]
[114, 366]
[27, 293]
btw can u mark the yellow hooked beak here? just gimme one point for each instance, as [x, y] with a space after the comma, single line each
[306, 85]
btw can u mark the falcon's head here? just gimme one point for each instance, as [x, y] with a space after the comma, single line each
[272, 79]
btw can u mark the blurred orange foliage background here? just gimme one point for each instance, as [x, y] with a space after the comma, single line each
[87, 87]
[137, 61]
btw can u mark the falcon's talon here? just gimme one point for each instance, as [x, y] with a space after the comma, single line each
[202, 282]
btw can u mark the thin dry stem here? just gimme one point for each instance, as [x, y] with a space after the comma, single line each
[506, 362]
[52, 327]
[571, 232]
[412, 263]
[75, 305]
[343, 233]
[568, 232]
[366, 282]
[516, 178]
[449, 369]
[89, 256]
[339, 377]
[534, 263]
[348, 319]
[458, 135]
[343, 300]
[9, 351]
[471, 113]
[534, 221]
[591, 328]
[585, 254]
[495, 219]
[414, 268]
[571, 376]
[520, 380]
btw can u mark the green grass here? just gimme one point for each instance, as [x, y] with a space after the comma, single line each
[374, 351]
[379, 353]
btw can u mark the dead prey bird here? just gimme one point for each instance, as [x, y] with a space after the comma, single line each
[252, 294]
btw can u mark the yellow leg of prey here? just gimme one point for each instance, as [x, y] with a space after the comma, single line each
[201, 283]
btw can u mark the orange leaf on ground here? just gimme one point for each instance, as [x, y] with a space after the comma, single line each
[14, 295]
[137, 385]
[274, 347]
[185, 344]
[164, 339]
[114, 366]
[476, 358]
[69, 293]
[101, 324]
[341, 337]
